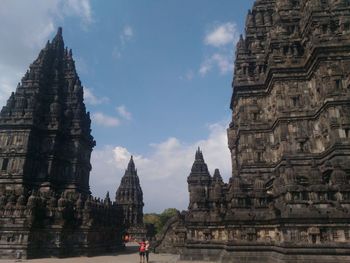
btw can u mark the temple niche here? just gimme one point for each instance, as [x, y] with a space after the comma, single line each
[46, 207]
[288, 199]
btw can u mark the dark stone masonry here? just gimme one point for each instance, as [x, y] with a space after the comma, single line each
[129, 197]
[288, 199]
[46, 208]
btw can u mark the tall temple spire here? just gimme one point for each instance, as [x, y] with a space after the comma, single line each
[48, 105]
[46, 144]
[217, 175]
[198, 182]
[199, 154]
[131, 165]
[199, 166]
[130, 196]
[58, 39]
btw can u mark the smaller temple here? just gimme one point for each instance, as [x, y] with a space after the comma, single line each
[198, 182]
[129, 196]
[206, 191]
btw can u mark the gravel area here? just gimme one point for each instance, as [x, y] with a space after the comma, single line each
[129, 255]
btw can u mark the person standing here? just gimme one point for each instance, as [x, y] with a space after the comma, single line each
[142, 250]
[147, 250]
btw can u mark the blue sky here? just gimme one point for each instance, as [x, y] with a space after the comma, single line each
[157, 77]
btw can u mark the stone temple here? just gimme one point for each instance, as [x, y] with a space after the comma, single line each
[129, 197]
[288, 199]
[46, 208]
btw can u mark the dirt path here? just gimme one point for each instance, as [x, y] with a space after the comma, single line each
[129, 255]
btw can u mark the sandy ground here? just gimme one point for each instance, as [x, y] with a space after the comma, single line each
[129, 255]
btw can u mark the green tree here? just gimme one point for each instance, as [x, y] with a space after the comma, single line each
[166, 215]
[153, 219]
[159, 220]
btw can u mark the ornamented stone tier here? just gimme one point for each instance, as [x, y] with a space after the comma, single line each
[46, 208]
[129, 197]
[288, 199]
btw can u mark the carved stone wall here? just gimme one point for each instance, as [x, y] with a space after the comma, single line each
[288, 198]
[129, 197]
[44, 127]
[46, 208]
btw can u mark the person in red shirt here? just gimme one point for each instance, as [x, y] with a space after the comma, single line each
[142, 250]
[126, 238]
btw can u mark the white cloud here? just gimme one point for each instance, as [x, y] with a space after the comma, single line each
[206, 66]
[123, 112]
[222, 61]
[128, 32]
[163, 172]
[222, 38]
[81, 8]
[104, 120]
[25, 26]
[92, 99]
[121, 156]
[8, 78]
[222, 35]
[116, 54]
[125, 36]
[188, 76]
